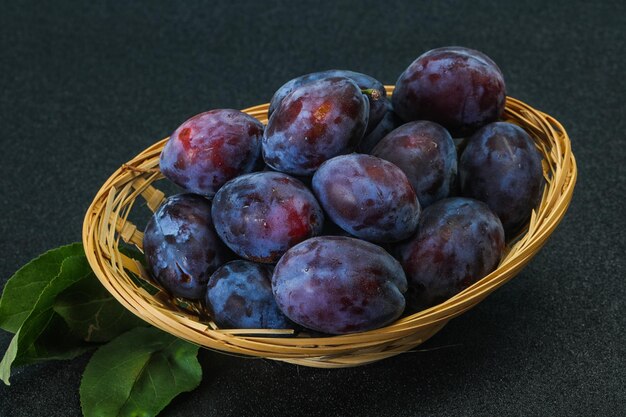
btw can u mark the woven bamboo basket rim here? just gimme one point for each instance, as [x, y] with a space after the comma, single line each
[106, 225]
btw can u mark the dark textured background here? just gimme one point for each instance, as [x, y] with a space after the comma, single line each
[85, 86]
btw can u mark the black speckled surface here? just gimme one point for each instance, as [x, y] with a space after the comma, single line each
[85, 86]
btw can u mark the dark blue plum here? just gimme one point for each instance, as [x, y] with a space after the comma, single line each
[381, 106]
[461, 89]
[181, 247]
[502, 167]
[377, 97]
[425, 152]
[368, 197]
[239, 296]
[212, 148]
[261, 215]
[458, 241]
[389, 122]
[339, 285]
[331, 229]
[313, 123]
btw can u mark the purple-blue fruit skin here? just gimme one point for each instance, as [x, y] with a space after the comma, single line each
[331, 229]
[425, 152]
[181, 247]
[460, 88]
[210, 149]
[389, 122]
[261, 215]
[313, 123]
[458, 241]
[378, 109]
[378, 106]
[239, 296]
[368, 197]
[502, 167]
[339, 285]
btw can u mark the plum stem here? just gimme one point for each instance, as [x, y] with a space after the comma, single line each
[372, 93]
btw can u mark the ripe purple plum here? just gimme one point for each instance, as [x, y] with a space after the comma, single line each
[460, 88]
[458, 241]
[212, 148]
[261, 215]
[181, 247]
[425, 152]
[313, 123]
[239, 296]
[502, 167]
[368, 197]
[389, 122]
[338, 285]
[377, 95]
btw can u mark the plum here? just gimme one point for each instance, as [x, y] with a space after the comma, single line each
[389, 122]
[502, 167]
[460, 88]
[239, 295]
[338, 285]
[212, 148]
[261, 215]
[377, 97]
[368, 197]
[425, 152]
[458, 241]
[181, 247]
[313, 123]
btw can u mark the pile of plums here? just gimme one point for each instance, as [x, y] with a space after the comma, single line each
[349, 208]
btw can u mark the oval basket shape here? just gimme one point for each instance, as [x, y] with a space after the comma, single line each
[107, 230]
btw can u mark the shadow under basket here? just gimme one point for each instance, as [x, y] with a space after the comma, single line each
[106, 226]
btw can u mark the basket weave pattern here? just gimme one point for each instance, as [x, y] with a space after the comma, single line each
[106, 225]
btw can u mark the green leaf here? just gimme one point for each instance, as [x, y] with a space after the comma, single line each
[41, 317]
[23, 289]
[92, 313]
[9, 357]
[138, 374]
[55, 342]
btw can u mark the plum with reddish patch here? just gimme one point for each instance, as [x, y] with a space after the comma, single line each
[181, 247]
[210, 149]
[377, 96]
[460, 88]
[313, 123]
[426, 153]
[368, 197]
[502, 167]
[458, 241]
[339, 285]
[261, 215]
[239, 296]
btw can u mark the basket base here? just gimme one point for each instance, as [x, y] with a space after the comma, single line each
[364, 357]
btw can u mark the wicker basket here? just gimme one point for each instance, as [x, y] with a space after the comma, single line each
[106, 224]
